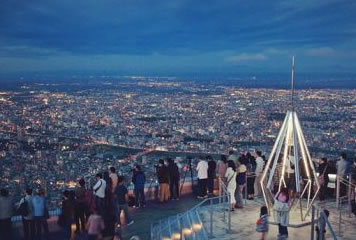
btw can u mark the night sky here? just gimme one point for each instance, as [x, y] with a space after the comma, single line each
[177, 36]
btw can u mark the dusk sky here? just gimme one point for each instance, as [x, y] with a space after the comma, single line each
[177, 36]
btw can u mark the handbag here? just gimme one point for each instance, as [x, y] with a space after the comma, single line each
[321, 179]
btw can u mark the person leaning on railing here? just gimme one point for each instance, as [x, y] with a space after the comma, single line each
[6, 212]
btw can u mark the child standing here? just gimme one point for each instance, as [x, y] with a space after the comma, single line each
[262, 223]
[320, 228]
[95, 226]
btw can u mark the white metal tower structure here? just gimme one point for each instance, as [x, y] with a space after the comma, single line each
[290, 154]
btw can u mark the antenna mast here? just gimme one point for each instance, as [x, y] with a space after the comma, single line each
[292, 94]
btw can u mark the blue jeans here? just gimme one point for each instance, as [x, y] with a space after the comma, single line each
[139, 197]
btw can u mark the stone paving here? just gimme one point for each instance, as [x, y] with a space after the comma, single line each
[243, 223]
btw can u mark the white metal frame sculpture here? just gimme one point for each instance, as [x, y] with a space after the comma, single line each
[291, 142]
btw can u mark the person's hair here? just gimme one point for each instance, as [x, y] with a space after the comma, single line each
[248, 154]
[327, 213]
[259, 153]
[106, 175]
[28, 191]
[161, 161]
[120, 179]
[324, 159]
[263, 211]
[66, 193]
[285, 192]
[99, 175]
[170, 161]
[82, 182]
[231, 152]
[4, 192]
[209, 157]
[343, 155]
[138, 167]
[112, 169]
[223, 158]
[231, 164]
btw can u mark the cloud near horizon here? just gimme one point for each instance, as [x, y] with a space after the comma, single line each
[176, 36]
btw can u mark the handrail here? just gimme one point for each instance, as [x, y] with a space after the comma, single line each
[194, 210]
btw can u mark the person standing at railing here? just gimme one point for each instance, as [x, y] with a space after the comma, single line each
[6, 212]
[231, 182]
[323, 178]
[28, 223]
[139, 179]
[39, 212]
[163, 180]
[202, 169]
[240, 180]
[344, 168]
[80, 205]
[211, 175]
[259, 170]
[99, 192]
[221, 167]
[251, 173]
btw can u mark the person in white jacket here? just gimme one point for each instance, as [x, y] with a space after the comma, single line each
[99, 192]
[230, 176]
[259, 170]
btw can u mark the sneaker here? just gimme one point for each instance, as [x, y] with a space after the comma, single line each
[200, 197]
[135, 206]
[130, 223]
[118, 226]
[206, 196]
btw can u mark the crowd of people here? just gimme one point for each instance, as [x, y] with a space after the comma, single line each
[96, 210]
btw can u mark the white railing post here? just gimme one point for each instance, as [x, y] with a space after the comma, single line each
[349, 195]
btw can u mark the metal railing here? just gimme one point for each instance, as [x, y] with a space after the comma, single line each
[52, 213]
[349, 185]
[189, 224]
[318, 215]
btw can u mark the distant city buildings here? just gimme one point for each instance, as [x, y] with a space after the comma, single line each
[53, 137]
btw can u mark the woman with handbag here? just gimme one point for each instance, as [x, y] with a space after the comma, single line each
[323, 178]
[230, 175]
[281, 209]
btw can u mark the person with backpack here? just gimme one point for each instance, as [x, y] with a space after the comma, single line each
[99, 192]
[173, 179]
[5, 215]
[25, 209]
[262, 223]
[139, 179]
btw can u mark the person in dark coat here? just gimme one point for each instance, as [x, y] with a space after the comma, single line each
[139, 179]
[211, 174]
[324, 171]
[163, 180]
[6, 211]
[251, 175]
[173, 179]
[67, 213]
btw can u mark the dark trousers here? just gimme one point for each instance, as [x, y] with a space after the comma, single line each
[283, 230]
[99, 204]
[79, 215]
[28, 229]
[40, 222]
[139, 197]
[6, 229]
[202, 187]
[174, 188]
[92, 237]
[250, 185]
[211, 185]
[323, 192]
